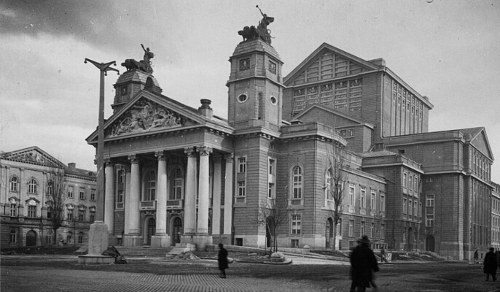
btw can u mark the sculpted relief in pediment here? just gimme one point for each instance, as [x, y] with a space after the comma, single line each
[145, 116]
[32, 156]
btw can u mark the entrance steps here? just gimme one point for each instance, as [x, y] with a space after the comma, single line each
[143, 251]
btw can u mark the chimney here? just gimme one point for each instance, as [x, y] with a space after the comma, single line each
[205, 108]
[72, 165]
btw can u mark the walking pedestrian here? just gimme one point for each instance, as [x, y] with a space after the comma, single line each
[222, 260]
[382, 256]
[363, 265]
[476, 257]
[490, 265]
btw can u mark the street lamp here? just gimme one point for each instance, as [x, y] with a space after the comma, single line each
[98, 235]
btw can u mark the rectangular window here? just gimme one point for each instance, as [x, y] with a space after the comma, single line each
[415, 184]
[404, 180]
[382, 231]
[13, 210]
[240, 198]
[242, 165]
[81, 215]
[410, 207]
[271, 166]
[32, 211]
[119, 197]
[296, 222]
[363, 198]
[429, 201]
[92, 194]
[82, 193]
[70, 191]
[382, 202]
[92, 217]
[70, 215]
[270, 194]
[410, 182]
[352, 196]
[297, 183]
[405, 206]
[373, 204]
[272, 67]
[351, 228]
[429, 220]
[362, 229]
[415, 208]
[372, 230]
[295, 242]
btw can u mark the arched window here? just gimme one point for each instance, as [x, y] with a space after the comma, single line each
[32, 184]
[50, 212]
[80, 237]
[13, 236]
[68, 237]
[150, 186]
[297, 182]
[14, 184]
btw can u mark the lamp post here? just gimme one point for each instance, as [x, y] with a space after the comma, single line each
[103, 67]
[98, 235]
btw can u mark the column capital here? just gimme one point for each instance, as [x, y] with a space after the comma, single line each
[229, 157]
[133, 159]
[160, 155]
[204, 150]
[190, 151]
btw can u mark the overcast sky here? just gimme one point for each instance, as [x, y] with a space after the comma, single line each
[446, 50]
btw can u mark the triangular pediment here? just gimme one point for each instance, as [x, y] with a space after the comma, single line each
[328, 117]
[480, 140]
[33, 155]
[149, 113]
[326, 63]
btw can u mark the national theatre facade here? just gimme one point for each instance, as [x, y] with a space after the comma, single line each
[175, 174]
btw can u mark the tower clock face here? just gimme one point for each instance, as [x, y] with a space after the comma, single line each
[273, 100]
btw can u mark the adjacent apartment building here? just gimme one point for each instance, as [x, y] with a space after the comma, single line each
[30, 181]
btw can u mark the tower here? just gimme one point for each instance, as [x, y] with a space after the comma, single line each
[255, 86]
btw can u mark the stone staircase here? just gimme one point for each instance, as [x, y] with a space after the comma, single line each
[143, 251]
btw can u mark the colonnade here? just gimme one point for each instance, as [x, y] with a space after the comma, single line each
[196, 198]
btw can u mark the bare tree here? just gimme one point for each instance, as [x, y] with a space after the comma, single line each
[55, 200]
[335, 185]
[272, 216]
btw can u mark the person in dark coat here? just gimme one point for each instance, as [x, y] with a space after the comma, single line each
[222, 260]
[363, 264]
[490, 265]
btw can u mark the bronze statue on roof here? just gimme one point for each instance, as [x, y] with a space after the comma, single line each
[251, 32]
[143, 65]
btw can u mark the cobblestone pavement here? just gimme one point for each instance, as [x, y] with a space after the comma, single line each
[21, 279]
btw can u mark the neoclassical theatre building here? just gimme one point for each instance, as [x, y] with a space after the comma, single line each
[176, 174]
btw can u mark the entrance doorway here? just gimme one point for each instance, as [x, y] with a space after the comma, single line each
[410, 239]
[177, 230]
[329, 233]
[429, 243]
[31, 238]
[151, 230]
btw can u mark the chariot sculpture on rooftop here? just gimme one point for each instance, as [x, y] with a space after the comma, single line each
[143, 65]
[251, 32]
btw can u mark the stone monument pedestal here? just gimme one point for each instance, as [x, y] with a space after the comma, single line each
[98, 243]
[200, 241]
[160, 240]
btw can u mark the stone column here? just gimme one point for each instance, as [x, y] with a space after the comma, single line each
[109, 193]
[190, 194]
[134, 238]
[126, 229]
[203, 191]
[161, 239]
[228, 199]
[216, 208]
